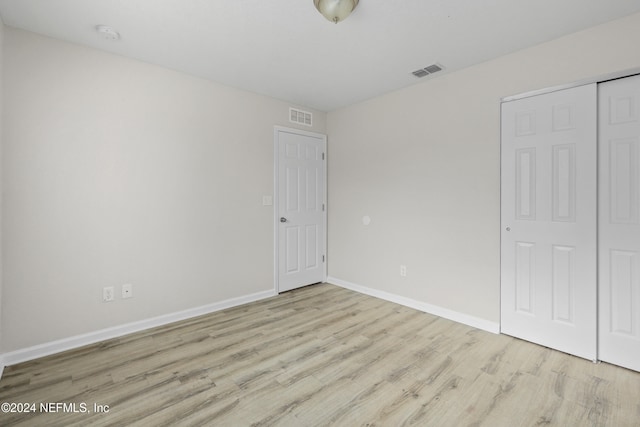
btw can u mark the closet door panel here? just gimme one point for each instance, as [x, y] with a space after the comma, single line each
[619, 222]
[548, 217]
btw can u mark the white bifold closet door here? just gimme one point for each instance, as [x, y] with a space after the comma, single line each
[619, 222]
[548, 218]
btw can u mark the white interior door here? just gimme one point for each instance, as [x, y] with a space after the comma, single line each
[301, 207]
[619, 222]
[548, 218]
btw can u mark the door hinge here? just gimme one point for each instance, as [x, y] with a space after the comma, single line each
[322, 258]
[322, 156]
[323, 207]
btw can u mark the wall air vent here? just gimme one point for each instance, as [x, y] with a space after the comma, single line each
[433, 68]
[300, 117]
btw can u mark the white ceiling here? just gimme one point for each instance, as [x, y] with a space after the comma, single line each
[287, 50]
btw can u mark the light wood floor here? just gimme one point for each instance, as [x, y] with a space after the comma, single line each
[323, 355]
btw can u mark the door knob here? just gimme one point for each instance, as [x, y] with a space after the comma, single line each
[508, 228]
[283, 219]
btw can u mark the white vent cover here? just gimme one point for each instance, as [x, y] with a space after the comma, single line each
[433, 68]
[300, 117]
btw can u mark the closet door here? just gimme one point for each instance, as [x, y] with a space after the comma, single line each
[619, 222]
[548, 218]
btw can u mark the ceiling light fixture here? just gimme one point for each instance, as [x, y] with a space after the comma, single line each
[335, 10]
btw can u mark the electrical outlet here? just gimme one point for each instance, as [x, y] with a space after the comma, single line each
[127, 290]
[403, 270]
[108, 293]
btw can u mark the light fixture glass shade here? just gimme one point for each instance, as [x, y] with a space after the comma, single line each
[335, 10]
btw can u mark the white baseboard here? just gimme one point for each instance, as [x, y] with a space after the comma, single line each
[70, 343]
[466, 319]
[58, 346]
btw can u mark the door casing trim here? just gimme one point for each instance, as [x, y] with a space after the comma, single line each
[276, 199]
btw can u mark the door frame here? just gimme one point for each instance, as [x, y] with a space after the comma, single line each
[276, 199]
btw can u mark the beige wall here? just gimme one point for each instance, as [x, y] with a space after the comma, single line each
[424, 164]
[115, 172]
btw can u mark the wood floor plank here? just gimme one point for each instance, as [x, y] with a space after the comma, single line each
[322, 355]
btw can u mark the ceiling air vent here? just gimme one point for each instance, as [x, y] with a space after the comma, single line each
[420, 73]
[433, 68]
[300, 117]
